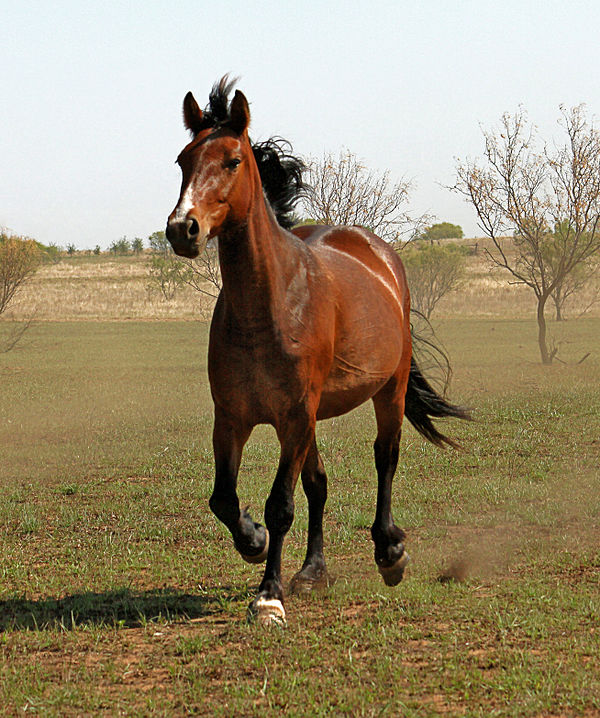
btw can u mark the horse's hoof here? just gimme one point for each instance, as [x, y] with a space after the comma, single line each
[267, 612]
[303, 585]
[392, 575]
[259, 557]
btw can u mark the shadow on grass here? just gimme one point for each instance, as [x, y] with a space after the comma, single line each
[120, 608]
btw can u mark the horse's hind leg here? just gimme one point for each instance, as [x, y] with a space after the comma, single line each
[313, 573]
[390, 556]
[250, 539]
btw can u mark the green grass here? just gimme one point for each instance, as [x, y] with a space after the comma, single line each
[121, 594]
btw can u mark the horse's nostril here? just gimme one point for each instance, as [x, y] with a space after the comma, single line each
[193, 228]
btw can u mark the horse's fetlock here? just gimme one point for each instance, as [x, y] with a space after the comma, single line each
[378, 534]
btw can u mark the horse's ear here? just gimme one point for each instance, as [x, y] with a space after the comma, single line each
[239, 113]
[192, 114]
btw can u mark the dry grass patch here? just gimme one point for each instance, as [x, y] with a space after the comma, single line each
[117, 288]
[107, 288]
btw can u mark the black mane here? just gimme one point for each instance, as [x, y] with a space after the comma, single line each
[281, 177]
[280, 171]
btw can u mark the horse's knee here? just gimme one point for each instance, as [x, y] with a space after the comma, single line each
[279, 513]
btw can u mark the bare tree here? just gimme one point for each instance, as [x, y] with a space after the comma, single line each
[19, 260]
[168, 273]
[548, 199]
[204, 273]
[343, 191]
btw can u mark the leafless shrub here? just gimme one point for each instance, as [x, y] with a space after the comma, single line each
[203, 273]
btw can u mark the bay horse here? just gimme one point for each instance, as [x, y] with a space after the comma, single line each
[308, 325]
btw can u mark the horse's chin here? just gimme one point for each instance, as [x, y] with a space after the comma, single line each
[192, 250]
[190, 253]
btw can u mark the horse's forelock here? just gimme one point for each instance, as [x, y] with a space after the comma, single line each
[217, 110]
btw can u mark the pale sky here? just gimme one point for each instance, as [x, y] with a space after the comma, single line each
[91, 93]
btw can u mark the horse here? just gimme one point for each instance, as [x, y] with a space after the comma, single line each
[308, 325]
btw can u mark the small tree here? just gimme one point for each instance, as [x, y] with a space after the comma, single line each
[548, 199]
[343, 191]
[137, 245]
[442, 230]
[97, 250]
[159, 244]
[120, 246]
[19, 260]
[166, 270]
[433, 271]
[51, 253]
[582, 277]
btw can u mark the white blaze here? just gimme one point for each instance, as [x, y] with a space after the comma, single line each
[185, 204]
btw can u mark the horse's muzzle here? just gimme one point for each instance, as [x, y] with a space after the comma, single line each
[186, 238]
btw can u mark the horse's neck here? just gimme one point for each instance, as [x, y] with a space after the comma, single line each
[255, 258]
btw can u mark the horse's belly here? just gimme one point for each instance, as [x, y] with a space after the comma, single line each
[354, 379]
[368, 351]
[340, 398]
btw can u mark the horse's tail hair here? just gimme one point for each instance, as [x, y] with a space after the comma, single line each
[422, 403]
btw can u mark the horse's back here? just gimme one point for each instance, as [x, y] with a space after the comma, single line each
[347, 246]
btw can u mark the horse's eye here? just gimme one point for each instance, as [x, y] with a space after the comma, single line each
[234, 163]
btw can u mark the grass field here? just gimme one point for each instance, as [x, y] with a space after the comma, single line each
[120, 594]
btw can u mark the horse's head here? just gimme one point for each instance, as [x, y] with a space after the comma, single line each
[216, 166]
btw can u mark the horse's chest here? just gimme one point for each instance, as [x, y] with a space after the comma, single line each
[256, 383]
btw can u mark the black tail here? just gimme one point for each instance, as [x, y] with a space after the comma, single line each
[423, 402]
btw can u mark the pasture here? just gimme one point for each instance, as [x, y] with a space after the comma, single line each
[121, 594]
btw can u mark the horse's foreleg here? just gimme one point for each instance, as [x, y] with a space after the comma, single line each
[390, 555]
[267, 607]
[314, 481]
[250, 538]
